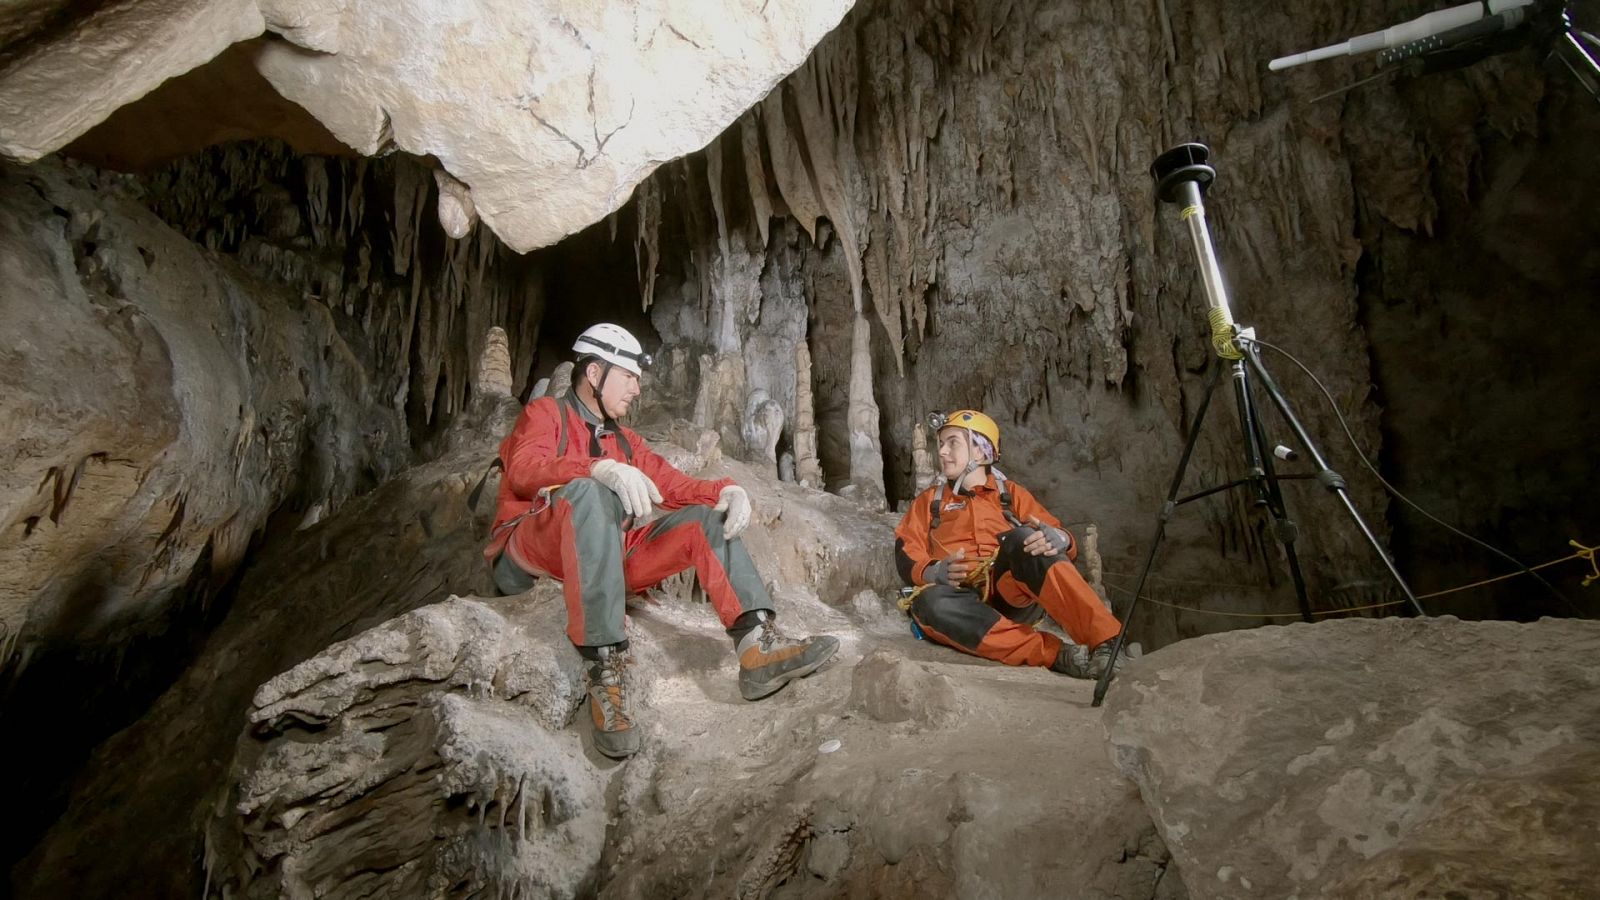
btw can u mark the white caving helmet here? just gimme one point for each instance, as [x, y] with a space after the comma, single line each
[612, 344]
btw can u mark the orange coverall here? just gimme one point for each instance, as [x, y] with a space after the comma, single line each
[1023, 587]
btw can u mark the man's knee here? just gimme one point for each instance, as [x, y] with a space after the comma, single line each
[938, 601]
[709, 520]
[1024, 566]
[588, 494]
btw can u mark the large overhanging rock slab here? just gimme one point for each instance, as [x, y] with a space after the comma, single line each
[543, 116]
[1396, 758]
[550, 112]
[52, 91]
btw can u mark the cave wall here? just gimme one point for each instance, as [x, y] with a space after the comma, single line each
[1478, 293]
[966, 185]
[168, 404]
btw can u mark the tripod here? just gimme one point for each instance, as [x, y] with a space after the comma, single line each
[1182, 177]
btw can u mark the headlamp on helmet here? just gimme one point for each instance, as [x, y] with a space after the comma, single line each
[613, 344]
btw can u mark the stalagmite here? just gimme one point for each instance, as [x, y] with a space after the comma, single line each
[807, 467]
[717, 406]
[866, 451]
[923, 470]
[763, 426]
[1093, 565]
[560, 380]
[494, 366]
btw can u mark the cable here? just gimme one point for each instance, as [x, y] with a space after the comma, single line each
[1356, 446]
[1584, 553]
[1234, 615]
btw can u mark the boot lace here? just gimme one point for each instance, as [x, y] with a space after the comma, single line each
[608, 681]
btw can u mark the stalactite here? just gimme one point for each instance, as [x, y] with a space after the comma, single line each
[755, 173]
[788, 167]
[647, 240]
[316, 169]
[355, 200]
[410, 195]
[457, 212]
[824, 91]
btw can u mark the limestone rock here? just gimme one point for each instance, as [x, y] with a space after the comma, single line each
[891, 689]
[1402, 757]
[552, 113]
[163, 406]
[544, 117]
[445, 724]
[457, 214]
[55, 90]
[405, 545]
[763, 426]
[494, 365]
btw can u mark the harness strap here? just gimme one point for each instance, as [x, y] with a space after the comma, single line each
[608, 426]
[936, 509]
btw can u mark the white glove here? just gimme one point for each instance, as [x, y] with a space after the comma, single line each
[736, 503]
[632, 487]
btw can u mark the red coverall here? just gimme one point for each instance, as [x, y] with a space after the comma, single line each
[553, 519]
[998, 626]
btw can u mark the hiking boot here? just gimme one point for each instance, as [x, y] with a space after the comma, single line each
[1074, 661]
[768, 660]
[615, 734]
[1100, 657]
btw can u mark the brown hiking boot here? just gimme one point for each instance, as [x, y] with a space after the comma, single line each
[615, 734]
[1074, 660]
[768, 660]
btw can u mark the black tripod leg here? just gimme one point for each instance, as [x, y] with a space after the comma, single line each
[1330, 479]
[1286, 530]
[1250, 428]
[1161, 529]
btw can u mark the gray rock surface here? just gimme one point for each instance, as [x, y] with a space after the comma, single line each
[571, 103]
[1396, 757]
[424, 757]
[163, 404]
[432, 755]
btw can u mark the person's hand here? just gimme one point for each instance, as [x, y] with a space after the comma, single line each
[632, 487]
[1046, 540]
[951, 570]
[735, 504]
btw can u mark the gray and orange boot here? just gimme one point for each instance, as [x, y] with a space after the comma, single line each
[1075, 661]
[768, 660]
[615, 733]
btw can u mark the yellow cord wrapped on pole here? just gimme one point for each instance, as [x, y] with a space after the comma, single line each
[1224, 335]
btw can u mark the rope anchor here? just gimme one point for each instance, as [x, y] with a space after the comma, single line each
[1587, 554]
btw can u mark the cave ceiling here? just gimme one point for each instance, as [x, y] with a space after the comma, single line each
[600, 95]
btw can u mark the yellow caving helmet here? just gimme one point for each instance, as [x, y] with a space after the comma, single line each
[972, 420]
